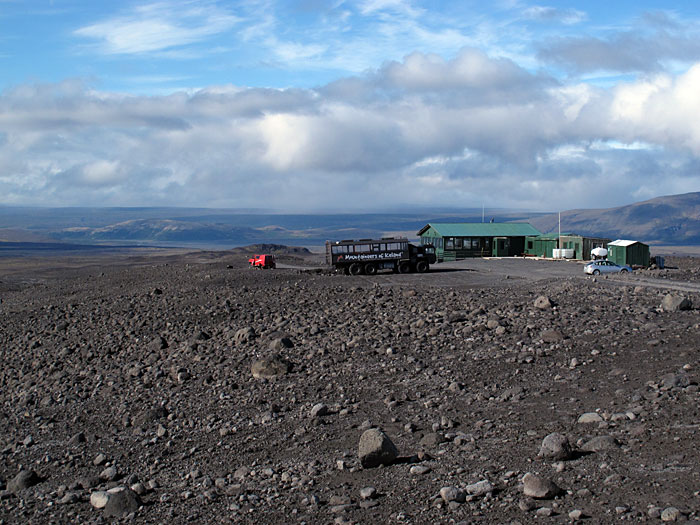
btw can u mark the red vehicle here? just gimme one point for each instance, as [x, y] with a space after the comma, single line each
[264, 261]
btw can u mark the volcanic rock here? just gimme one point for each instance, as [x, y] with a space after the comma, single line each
[375, 448]
[601, 444]
[543, 302]
[539, 487]
[269, 367]
[676, 303]
[23, 480]
[121, 503]
[555, 447]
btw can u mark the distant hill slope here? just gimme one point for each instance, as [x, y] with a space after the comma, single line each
[673, 219]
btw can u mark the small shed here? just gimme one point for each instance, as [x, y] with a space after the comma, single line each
[633, 253]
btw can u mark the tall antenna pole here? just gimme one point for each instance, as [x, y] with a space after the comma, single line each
[559, 230]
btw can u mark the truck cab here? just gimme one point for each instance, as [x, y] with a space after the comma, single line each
[264, 261]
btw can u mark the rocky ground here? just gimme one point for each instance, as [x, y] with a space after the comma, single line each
[191, 389]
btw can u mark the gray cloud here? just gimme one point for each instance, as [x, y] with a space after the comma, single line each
[425, 130]
[657, 39]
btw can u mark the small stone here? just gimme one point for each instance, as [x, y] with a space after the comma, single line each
[555, 447]
[601, 444]
[419, 470]
[527, 504]
[319, 410]
[375, 448]
[23, 480]
[670, 514]
[552, 336]
[543, 302]
[575, 515]
[98, 499]
[69, 498]
[109, 474]
[480, 488]
[432, 439]
[77, 438]
[368, 493]
[241, 473]
[539, 487]
[100, 459]
[449, 494]
[590, 417]
[269, 367]
[139, 488]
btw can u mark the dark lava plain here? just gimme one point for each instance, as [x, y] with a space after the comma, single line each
[136, 372]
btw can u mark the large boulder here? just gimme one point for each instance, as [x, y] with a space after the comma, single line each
[23, 480]
[675, 303]
[375, 448]
[543, 302]
[121, 503]
[539, 487]
[555, 447]
[269, 367]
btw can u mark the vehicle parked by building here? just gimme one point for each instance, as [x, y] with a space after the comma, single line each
[605, 266]
[367, 256]
[263, 262]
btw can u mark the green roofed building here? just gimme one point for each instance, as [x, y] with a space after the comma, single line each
[464, 239]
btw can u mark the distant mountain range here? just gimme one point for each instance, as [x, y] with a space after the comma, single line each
[673, 219]
[215, 228]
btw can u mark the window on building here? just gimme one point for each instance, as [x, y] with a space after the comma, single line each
[449, 243]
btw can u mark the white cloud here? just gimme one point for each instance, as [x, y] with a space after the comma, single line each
[423, 130]
[158, 26]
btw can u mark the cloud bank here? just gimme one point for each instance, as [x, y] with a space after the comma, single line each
[423, 130]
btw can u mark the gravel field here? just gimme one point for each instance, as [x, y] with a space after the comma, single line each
[187, 388]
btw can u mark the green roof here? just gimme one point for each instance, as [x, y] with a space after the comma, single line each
[482, 229]
[555, 236]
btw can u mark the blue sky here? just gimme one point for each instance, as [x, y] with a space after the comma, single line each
[371, 104]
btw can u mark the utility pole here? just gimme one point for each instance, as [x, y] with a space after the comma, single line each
[559, 241]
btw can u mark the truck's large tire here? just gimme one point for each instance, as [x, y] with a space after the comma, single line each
[404, 267]
[355, 269]
[370, 269]
[422, 266]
